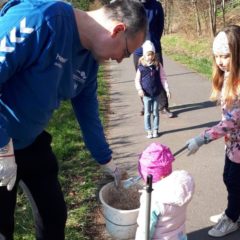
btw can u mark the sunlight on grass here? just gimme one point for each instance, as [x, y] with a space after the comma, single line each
[194, 54]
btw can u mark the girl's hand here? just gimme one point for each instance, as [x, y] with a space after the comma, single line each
[168, 95]
[194, 144]
[140, 93]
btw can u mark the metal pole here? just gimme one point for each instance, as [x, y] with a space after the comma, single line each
[148, 205]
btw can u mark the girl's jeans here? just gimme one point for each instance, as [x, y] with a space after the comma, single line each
[38, 169]
[231, 178]
[151, 104]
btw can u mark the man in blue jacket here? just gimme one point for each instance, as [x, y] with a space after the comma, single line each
[155, 16]
[49, 52]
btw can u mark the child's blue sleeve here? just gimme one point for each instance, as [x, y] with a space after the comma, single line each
[154, 216]
[182, 236]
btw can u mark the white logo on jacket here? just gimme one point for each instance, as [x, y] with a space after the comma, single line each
[79, 77]
[23, 29]
[60, 61]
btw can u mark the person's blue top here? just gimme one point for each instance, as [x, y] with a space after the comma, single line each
[155, 16]
[42, 62]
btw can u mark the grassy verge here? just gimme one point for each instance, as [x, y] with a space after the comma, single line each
[194, 53]
[78, 173]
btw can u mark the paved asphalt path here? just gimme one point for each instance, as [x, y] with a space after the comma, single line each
[194, 113]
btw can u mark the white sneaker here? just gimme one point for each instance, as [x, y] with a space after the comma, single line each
[155, 133]
[224, 226]
[149, 134]
[216, 218]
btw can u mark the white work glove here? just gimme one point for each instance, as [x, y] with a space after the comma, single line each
[140, 93]
[194, 144]
[8, 167]
[112, 169]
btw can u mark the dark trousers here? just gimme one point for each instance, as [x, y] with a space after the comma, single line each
[163, 103]
[231, 178]
[38, 170]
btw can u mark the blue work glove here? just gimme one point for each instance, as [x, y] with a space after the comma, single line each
[194, 144]
[111, 168]
[8, 167]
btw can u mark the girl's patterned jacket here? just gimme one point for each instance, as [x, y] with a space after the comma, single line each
[229, 128]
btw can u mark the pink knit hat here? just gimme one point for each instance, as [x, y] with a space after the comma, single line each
[157, 160]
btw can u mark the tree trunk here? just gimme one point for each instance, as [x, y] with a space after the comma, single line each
[168, 14]
[198, 23]
[223, 12]
[213, 16]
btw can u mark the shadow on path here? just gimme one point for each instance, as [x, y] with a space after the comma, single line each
[180, 74]
[204, 125]
[202, 234]
[192, 106]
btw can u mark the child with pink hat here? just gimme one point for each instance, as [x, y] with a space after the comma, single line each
[173, 190]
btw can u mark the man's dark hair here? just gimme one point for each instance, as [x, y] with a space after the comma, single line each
[130, 12]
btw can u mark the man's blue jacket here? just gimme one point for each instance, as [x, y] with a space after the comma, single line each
[42, 63]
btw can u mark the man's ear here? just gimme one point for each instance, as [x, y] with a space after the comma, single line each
[119, 27]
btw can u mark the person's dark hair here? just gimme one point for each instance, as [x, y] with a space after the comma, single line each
[130, 12]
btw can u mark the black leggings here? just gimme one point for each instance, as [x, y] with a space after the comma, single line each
[231, 178]
[37, 169]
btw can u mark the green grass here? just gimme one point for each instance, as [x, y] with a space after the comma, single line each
[195, 54]
[78, 173]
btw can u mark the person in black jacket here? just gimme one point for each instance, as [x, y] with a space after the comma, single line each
[155, 15]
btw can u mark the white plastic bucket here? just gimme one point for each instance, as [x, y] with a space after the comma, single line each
[120, 224]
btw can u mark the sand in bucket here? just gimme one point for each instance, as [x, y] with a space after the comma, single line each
[124, 199]
[120, 210]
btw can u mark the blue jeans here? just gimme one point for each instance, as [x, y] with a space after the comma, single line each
[151, 103]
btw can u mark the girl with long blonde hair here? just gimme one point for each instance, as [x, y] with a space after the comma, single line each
[226, 90]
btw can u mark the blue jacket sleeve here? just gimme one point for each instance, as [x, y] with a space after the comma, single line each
[85, 106]
[4, 138]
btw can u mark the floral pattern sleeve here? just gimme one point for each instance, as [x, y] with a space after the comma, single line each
[229, 128]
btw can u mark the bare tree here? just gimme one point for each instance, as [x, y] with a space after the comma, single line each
[198, 23]
[168, 15]
[213, 16]
[223, 12]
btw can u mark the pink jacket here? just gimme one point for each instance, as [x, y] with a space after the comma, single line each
[170, 198]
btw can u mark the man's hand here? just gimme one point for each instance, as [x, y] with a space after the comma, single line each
[112, 169]
[194, 144]
[8, 167]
